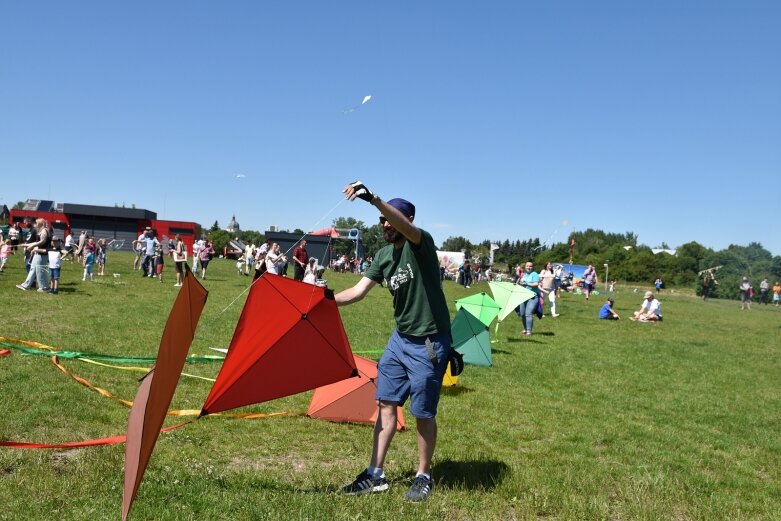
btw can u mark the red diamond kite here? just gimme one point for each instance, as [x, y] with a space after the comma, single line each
[289, 339]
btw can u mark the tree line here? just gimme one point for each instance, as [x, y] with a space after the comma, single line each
[627, 261]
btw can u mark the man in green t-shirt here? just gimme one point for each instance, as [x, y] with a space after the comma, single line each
[414, 361]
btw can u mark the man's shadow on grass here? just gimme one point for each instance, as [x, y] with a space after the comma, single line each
[448, 474]
[484, 474]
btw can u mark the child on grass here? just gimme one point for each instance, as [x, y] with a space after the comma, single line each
[5, 251]
[158, 261]
[606, 311]
[55, 262]
[101, 256]
[89, 259]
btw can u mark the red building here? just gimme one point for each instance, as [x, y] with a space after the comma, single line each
[119, 226]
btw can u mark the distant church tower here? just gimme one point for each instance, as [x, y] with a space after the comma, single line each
[233, 225]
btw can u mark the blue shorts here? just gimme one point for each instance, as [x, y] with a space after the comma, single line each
[406, 371]
[54, 273]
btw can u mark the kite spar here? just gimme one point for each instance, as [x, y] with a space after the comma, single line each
[158, 386]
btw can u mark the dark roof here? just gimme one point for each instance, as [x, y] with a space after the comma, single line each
[108, 211]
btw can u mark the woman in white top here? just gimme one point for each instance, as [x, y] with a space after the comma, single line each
[310, 272]
[275, 259]
[547, 278]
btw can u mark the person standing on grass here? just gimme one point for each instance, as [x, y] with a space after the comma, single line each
[37, 249]
[466, 273]
[746, 291]
[69, 247]
[14, 233]
[196, 248]
[158, 262]
[589, 280]
[275, 260]
[547, 287]
[764, 290]
[310, 273]
[138, 249]
[55, 263]
[88, 256]
[205, 256]
[531, 281]
[301, 258]
[414, 361]
[5, 251]
[180, 258]
[149, 244]
[101, 257]
[776, 294]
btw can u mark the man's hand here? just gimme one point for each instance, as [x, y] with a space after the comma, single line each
[358, 189]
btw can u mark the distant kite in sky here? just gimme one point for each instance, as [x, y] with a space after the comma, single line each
[353, 109]
[240, 176]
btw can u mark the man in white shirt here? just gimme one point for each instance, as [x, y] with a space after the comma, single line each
[650, 310]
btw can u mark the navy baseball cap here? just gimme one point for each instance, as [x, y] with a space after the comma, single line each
[404, 206]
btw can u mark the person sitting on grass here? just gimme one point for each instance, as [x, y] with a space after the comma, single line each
[606, 311]
[650, 310]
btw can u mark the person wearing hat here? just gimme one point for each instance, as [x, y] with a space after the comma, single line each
[650, 310]
[416, 357]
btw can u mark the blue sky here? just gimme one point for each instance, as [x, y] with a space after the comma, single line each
[499, 120]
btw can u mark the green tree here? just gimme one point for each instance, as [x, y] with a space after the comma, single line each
[456, 244]
[219, 239]
[373, 240]
[341, 247]
[251, 237]
[215, 227]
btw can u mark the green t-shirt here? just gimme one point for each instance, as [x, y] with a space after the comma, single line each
[412, 276]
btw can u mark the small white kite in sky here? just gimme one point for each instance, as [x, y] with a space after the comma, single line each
[353, 109]
[240, 176]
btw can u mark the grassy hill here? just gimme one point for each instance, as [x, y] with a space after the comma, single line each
[586, 419]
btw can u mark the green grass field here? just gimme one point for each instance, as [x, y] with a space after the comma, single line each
[584, 420]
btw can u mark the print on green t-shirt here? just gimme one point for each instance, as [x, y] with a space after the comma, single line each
[412, 276]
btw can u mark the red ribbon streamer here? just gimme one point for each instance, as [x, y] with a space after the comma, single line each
[76, 444]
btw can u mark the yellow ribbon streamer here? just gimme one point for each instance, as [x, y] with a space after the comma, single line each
[171, 412]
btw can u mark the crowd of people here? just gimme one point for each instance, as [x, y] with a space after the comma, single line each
[44, 254]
